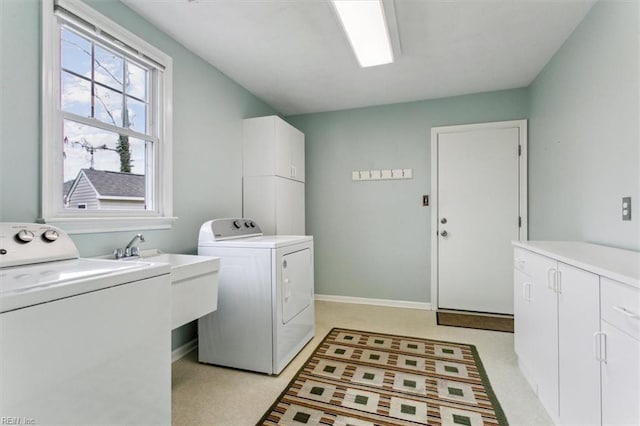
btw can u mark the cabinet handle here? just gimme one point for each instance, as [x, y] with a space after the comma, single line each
[524, 291]
[600, 346]
[527, 292]
[626, 312]
[551, 279]
[558, 281]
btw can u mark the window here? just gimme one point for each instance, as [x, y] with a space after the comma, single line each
[106, 124]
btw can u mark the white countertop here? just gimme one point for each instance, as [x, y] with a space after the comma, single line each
[616, 264]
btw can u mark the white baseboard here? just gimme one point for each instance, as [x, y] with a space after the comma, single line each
[181, 351]
[377, 302]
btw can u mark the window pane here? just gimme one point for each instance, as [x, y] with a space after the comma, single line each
[75, 52]
[136, 81]
[103, 170]
[139, 155]
[108, 106]
[137, 115]
[108, 68]
[76, 95]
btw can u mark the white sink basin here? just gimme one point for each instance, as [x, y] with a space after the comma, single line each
[185, 266]
[194, 284]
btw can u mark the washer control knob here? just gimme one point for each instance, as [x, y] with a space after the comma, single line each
[247, 224]
[252, 224]
[25, 236]
[236, 224]
[50, 235]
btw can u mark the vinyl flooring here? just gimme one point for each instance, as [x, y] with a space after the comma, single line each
[208, 395]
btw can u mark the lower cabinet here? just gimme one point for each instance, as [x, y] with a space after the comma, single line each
[578, 369]
[619, 351]
[584, 370]
[620, 379]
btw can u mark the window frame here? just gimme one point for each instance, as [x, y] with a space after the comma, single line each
[119, 39]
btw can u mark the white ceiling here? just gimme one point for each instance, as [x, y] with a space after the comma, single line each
[294, 55]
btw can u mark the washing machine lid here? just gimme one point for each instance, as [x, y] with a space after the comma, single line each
[263, 241]
[22, 286]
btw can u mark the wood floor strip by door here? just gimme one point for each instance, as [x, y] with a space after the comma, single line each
[477, 321]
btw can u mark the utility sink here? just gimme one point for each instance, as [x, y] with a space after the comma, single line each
[194, 284]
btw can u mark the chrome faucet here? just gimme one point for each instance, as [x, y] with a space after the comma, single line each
[130, 250]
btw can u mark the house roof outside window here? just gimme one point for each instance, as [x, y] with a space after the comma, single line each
[110, 185]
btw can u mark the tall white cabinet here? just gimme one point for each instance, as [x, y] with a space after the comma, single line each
[577, 330]
[273, 175]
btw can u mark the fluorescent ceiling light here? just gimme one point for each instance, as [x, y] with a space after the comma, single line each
[366, 28]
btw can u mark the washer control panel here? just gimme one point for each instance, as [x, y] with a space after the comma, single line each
[26, 243]
[230, 228]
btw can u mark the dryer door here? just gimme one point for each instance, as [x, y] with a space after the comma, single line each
[297, 283]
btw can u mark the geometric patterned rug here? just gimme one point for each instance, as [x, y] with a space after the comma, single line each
[360, 378]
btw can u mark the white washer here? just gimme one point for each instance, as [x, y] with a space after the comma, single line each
[265, 297]
[82, 341]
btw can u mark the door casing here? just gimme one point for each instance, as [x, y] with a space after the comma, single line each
[521, 125]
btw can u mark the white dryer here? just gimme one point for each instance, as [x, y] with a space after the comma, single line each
[265, 297]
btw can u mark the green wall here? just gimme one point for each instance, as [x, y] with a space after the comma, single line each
[372, 239]
[584, 150]
[208, 110]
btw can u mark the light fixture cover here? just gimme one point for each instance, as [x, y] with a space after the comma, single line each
[366, 27]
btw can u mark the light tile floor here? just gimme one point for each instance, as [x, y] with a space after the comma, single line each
[208, 395]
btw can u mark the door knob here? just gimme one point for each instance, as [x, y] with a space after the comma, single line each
[443, 220]
[444, 233]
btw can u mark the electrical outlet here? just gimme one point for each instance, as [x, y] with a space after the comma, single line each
[626, 208]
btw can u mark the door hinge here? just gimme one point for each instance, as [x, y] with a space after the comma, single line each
[519, 221]
[519, 150]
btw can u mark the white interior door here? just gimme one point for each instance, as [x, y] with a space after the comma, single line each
[477, 212]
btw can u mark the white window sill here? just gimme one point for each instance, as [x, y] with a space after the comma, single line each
[91, 225]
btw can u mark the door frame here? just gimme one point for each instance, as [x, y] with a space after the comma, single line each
[521, 125]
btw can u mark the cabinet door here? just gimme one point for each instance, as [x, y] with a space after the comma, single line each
[579, 370]
[259, 146]
[544, 302]
[524, 322]
[297, 155]
[289, 207]
[620, 378]
[259, 201]
[289, 151]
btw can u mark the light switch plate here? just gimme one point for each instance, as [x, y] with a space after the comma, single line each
[375, 174]
[365, 175]
[396, 174]
[626, 208]
[355, 175]
[407, 173]
[386, 174]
